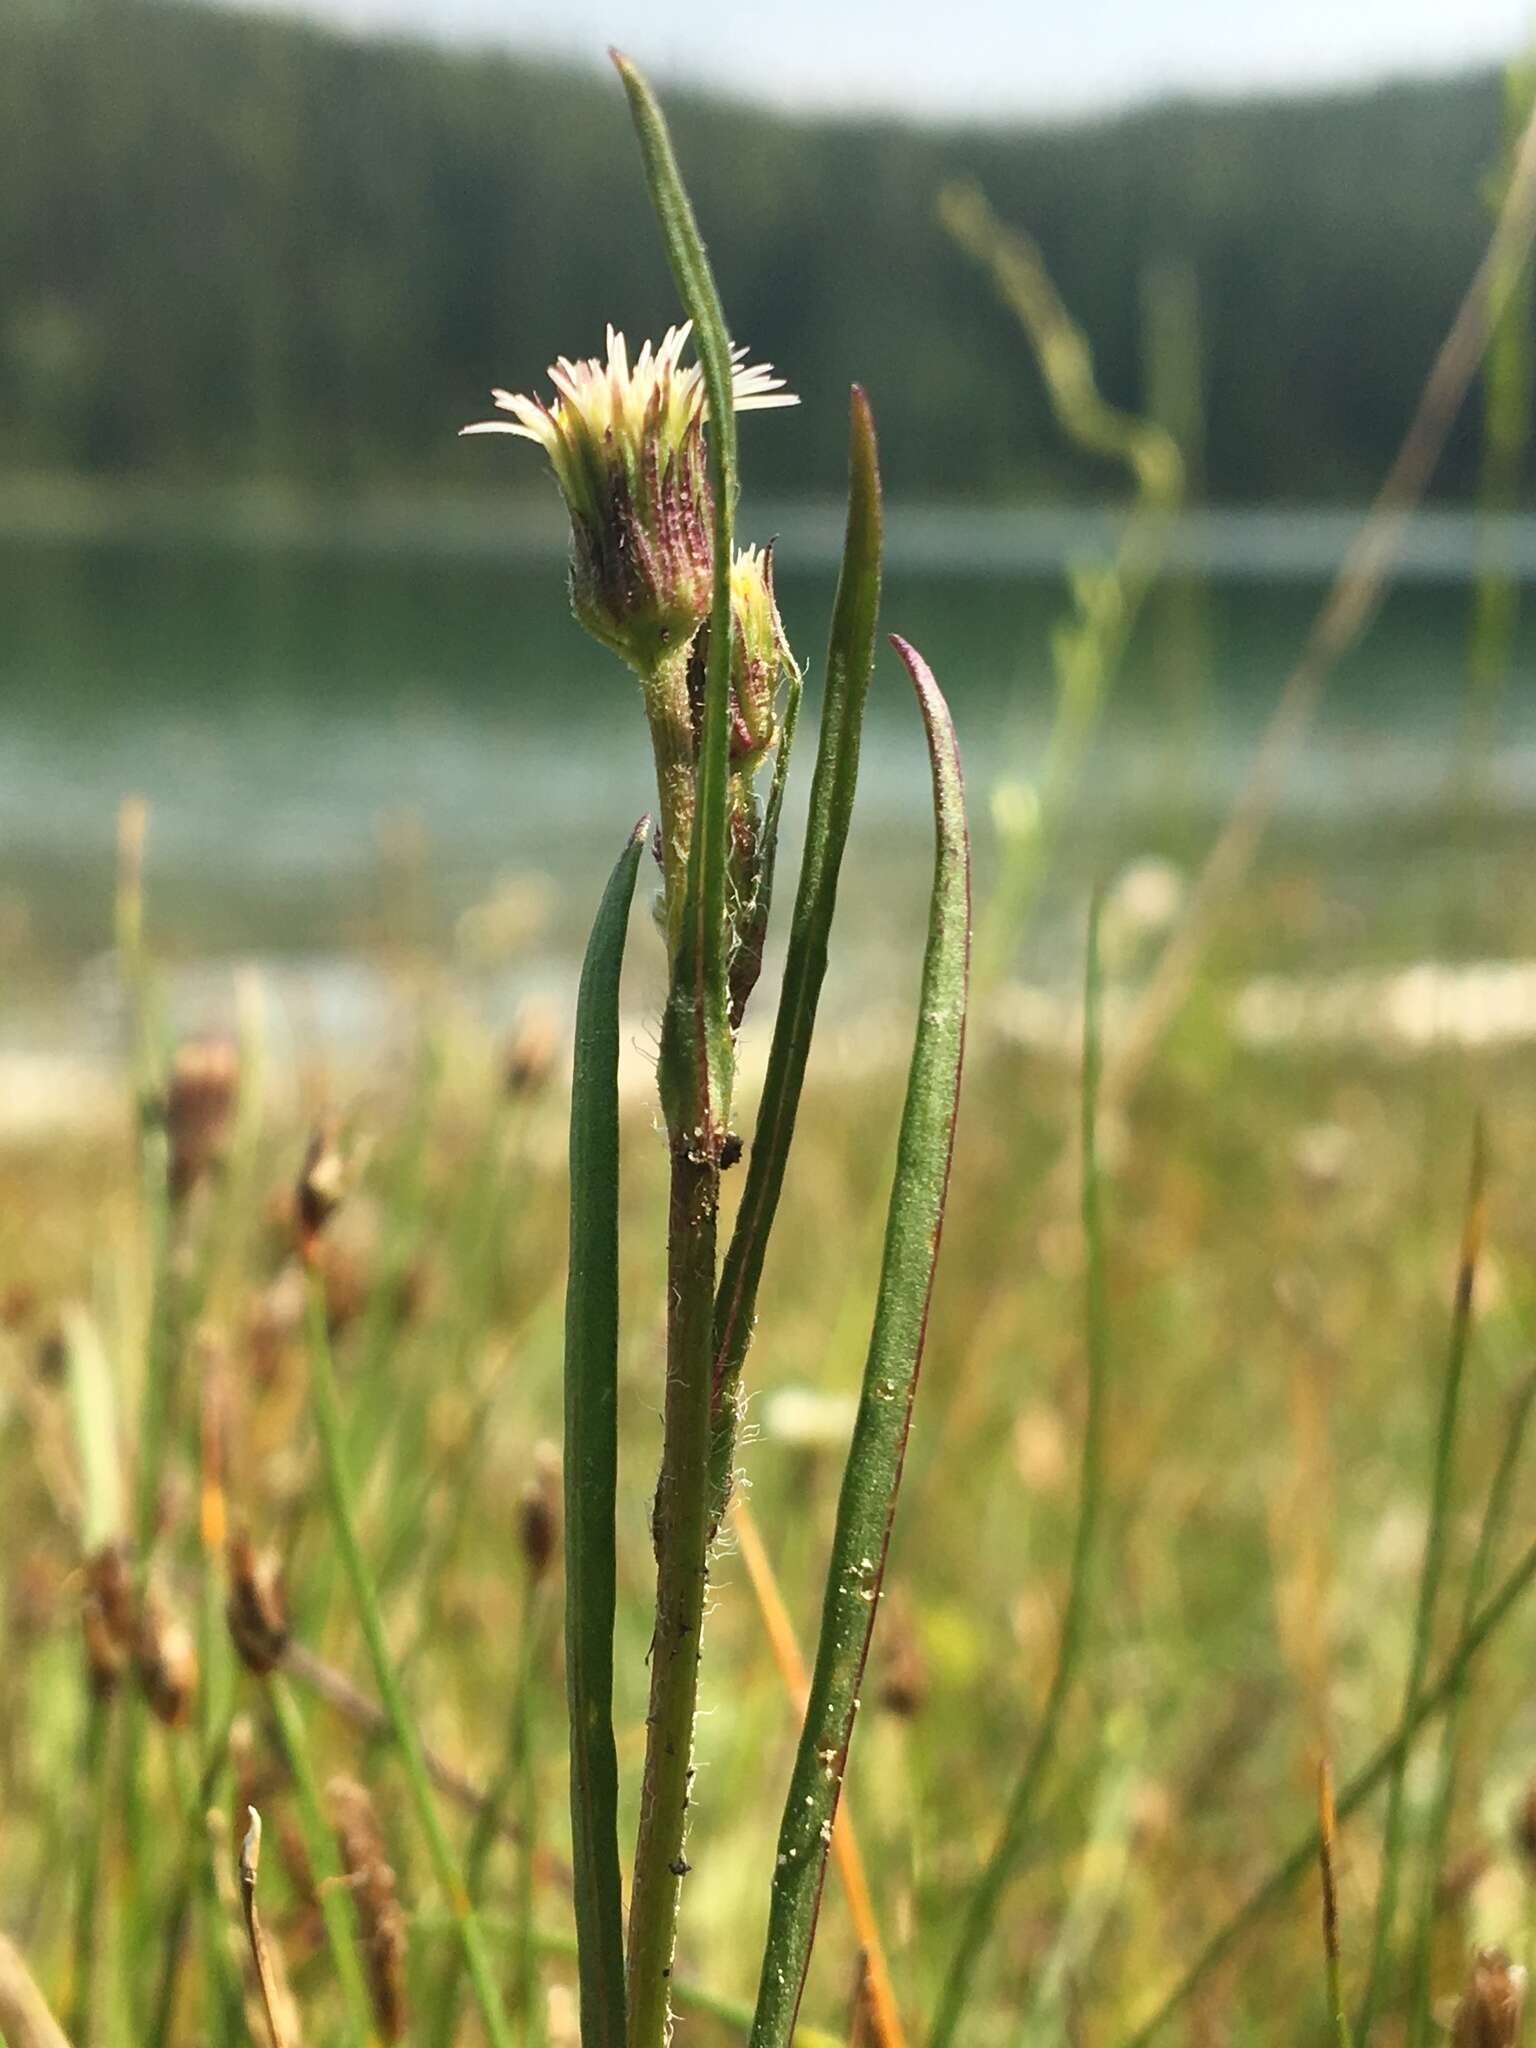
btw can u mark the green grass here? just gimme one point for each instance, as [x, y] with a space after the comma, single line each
[1278, 1337]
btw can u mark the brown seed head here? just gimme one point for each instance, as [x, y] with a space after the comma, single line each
[538, 1514]
[530, 1054]
[321, 1187]
[18, 1305]
[904, 1681]
[360, 1841]
[1525, 1828]
[167, 1663]
[257, 1608]
[1493, 2004]
[200, 1104]
[107, 1617]
[50, 1360]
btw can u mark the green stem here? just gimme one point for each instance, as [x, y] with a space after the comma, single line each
[672, 744]
[524, 1765]
[516, 1774]
[338, 1911]
[95, 1775]
[681, 1528]
[1495, 1516]
[987, 1895]
[326, 1409]
[690, 1998]
[1429, 1584]
[194, 1880]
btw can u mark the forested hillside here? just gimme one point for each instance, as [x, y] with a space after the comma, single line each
[241, 246]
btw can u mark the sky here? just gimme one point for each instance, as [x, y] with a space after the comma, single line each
[988, 58]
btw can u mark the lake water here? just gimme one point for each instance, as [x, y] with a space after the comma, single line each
[390, 739]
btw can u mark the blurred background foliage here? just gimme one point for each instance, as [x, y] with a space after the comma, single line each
[240, 246]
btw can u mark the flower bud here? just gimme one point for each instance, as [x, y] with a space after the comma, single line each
[759, 652]
[627, 447]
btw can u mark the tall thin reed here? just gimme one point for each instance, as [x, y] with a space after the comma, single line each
[1292, 1867]
[326, 1410]
[1501, 1495]
[1430, 1576]
[338, 1909]
[266, 1980]
[1328, 1875]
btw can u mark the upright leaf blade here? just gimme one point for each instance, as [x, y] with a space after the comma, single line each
[850, 658]
[592, 1461]
[872, 1474]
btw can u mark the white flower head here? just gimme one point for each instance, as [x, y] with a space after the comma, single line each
[626, 444]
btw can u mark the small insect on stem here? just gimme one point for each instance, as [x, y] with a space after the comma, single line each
[250, 1859]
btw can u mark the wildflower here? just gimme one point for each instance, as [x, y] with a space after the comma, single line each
[626, 442]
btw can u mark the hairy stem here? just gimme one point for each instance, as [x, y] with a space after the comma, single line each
[681, 1527]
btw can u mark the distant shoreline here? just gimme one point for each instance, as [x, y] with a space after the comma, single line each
[1265, 543]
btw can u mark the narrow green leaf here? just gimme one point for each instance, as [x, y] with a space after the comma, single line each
[325, 1409]
[872, 1474]
[1430, 1576]
[987, 1896]
[697, 1045]
[1301, 1860]
[850, 658]
[592, 1460]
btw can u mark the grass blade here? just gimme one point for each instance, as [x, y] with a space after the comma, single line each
[986, 1898]
[696, 1040]
[325, 1407]
[338, 1910]
[850, 658]
[1333, 1972]
[592, 1460]
[1290, 1870]
[1429, 1578]
[25, 2018]
[872, 1474]
[877, 1996]
[1495, 1518]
